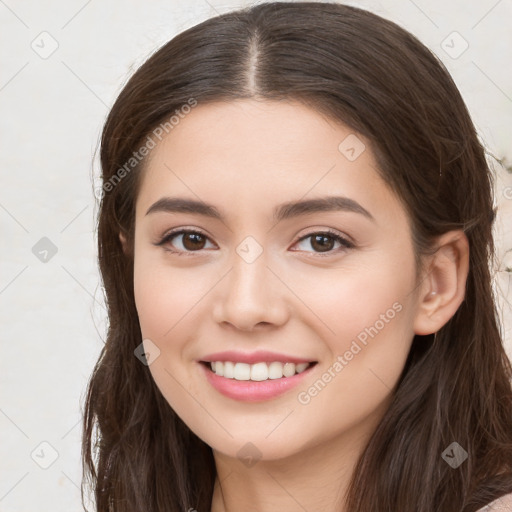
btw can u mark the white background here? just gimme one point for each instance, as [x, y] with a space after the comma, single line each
[52, 110]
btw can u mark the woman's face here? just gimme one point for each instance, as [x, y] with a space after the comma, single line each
[269, 275]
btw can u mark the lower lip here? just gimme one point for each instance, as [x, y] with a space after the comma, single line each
[254, 391]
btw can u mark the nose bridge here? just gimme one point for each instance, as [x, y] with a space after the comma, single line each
[251, 293]
[250, 274]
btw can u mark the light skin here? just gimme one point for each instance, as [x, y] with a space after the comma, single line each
[246, 158]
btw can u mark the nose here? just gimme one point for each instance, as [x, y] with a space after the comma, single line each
[251, 296]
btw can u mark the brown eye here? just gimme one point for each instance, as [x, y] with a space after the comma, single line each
[193, 241]
[324, 242]
[183, 241]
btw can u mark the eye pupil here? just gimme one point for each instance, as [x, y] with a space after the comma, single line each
[197, 241]
[321, 240]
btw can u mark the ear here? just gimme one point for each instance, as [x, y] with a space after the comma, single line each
[444, 283]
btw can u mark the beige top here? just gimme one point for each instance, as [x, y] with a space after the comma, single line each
[503, 504]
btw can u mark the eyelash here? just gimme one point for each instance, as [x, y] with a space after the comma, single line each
[346, 244]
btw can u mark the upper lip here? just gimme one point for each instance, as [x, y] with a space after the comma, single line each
[260, 356]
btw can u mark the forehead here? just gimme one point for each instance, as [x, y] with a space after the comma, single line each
[278, 131]
[246, 155]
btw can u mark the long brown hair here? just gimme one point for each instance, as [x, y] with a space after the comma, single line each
[367, 72]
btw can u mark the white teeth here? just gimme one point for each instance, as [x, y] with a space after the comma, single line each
[242, 371]
[299, 368]
[289, 369]
[257, 371]
[229, 369]
[275, 370]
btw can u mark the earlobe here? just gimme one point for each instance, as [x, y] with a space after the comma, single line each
[444, 283]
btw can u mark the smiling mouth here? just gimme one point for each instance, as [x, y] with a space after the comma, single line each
[256, 372]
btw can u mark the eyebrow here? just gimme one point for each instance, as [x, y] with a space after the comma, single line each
[282, 212]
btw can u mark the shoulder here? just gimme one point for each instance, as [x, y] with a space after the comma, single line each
[503, 504]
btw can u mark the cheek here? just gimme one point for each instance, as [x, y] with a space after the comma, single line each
[367, 317]
[164, 295]
[166, 300]
[154, 302]
[372, 324]
[370, 315]
[354, 303]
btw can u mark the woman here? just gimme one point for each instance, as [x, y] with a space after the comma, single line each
[294, 238]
